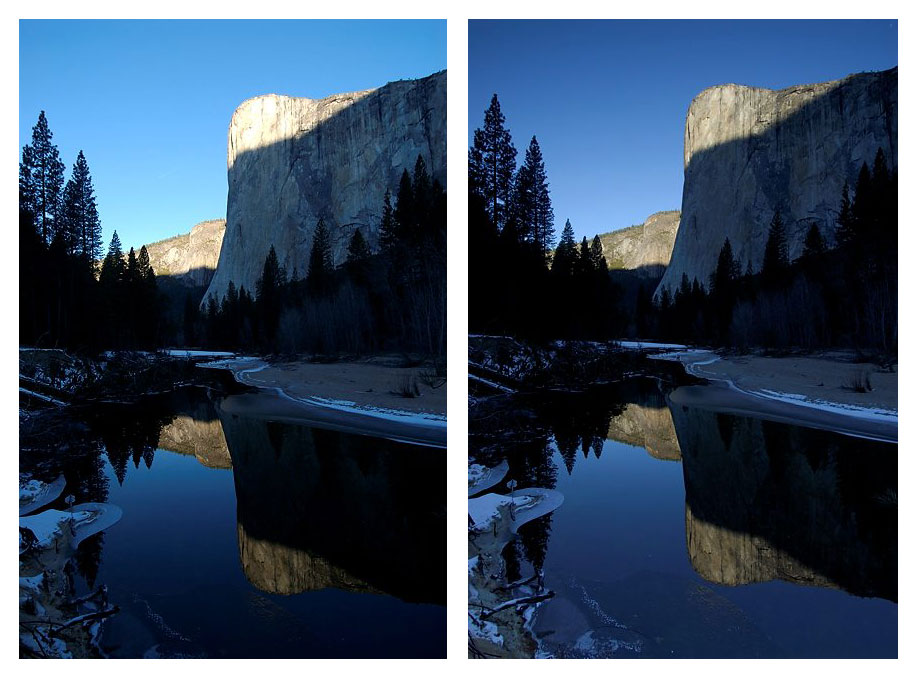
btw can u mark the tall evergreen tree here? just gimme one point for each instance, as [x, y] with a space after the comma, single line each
[538, 209]
[566, 253]
[358, 250]
[404, 211]
[814, 243]
[598, 261]
[113, 266]
[320, 269]
[492, 162]
[268, 296]
[389, 231]
[585, 264]
[776, 252]
[421, 194]
[79, 216]
[41, 179]
[864, 207]
[846, 223]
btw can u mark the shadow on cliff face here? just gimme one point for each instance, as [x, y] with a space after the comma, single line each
[320, 509]
[771, 501]
[338, 170]
[797, 165]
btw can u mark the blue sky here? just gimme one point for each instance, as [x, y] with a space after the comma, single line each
[607, 100]
[149, 102]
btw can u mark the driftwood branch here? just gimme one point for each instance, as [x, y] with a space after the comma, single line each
[84, 618]
[519, 582]
[529, 600]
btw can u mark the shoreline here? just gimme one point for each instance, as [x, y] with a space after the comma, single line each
[314, 393]
[808, 391]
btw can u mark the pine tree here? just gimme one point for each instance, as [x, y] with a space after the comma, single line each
[79, 216]
[566, 253]
[864, 207]
[421, 194]
[814, 243]
[726, 270]
[492, 162]
[41, 179]
[132, 270]
[538, 209]
[320, 269]
[846, 225]
[268, 296]
[358, 250]
[585, 265]
[389, 234]
[113, 267]
[404, 211]
[598, 261]
[776, 252]
[143, 264]
[722, 289]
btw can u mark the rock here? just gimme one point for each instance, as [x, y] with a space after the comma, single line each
[748, 151]
[192, 257]
[771, 501]
[646, 427]
[646, 247]
[291, 161]
[201, 438]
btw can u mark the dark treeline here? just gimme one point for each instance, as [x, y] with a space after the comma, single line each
[516, 285]
[842, 295]
[392, 299]
[65, 298]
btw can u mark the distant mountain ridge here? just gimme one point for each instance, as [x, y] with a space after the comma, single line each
[645, 247]
[190, 258]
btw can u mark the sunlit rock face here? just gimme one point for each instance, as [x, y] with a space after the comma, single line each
[204, 439]
[291, 161]
[277, 568]
[191, 257]
[748, 151]
[646, 427]
[320, 509]
[646, 247]
[771, 501]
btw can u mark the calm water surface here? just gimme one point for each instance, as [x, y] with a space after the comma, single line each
[687, 533]
[247, 538]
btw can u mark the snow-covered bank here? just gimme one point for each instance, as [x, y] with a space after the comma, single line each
[356, 394]
[811, 391]
[52, 621]
[501, 610]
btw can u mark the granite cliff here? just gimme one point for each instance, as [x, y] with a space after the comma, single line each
[291, 161]
[646, 247]
[191, 257]
[201, 438]
[748, 151]
[769, 501]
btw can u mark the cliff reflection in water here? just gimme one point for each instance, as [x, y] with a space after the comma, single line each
[319, 509]
[764, 500]
[773, 501]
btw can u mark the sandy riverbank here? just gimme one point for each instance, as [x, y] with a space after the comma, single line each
[815, 391]
[360, 396]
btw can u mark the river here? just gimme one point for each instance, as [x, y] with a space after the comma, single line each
[687, 533]
[242, 537]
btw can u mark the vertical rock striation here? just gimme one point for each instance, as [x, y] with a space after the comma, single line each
[748, 151]
[291, 161]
